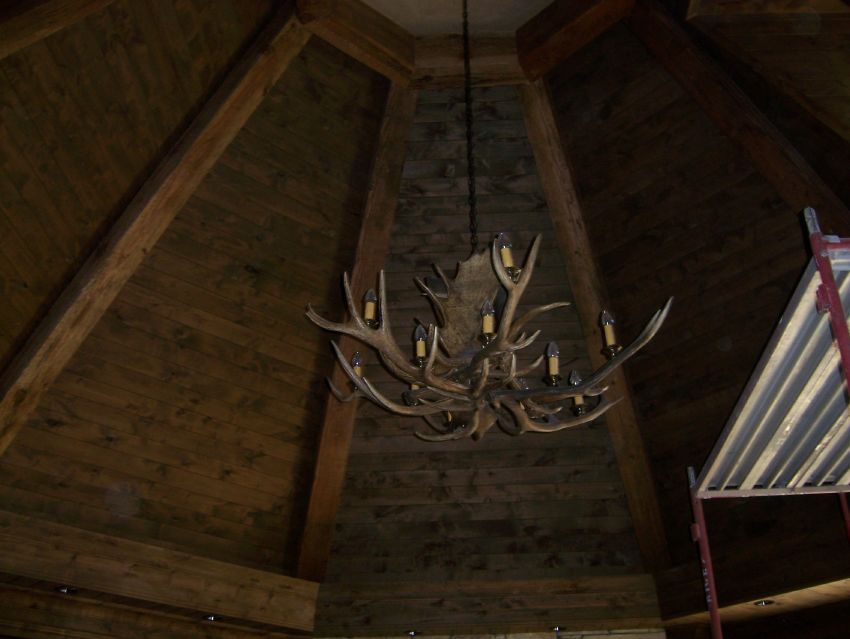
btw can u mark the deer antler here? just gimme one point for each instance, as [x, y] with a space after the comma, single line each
[482, 387]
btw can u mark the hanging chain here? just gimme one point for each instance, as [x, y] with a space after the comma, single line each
[470, 144]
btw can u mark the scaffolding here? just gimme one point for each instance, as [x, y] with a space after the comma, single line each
[789, 433]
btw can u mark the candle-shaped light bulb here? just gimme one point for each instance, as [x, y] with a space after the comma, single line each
[607, 322]
[552, 355]
[575, 380]
[419, 337]
[488, 318]
[357, 364]
[505, 246]
[370, 305]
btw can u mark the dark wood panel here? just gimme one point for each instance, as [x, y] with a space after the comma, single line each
[189, 416]
[675, 208]
[415, 514]
[86, 114]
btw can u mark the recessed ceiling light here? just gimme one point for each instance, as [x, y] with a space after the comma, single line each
[213, 617]
[764, 602]
[412, 633]
[67, 590]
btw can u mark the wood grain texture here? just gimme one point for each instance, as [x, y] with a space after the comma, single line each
[425, 518]
[563, 28]
[147, 216]
[189, 417]
[23, 24]
[479, 607]
[85, 118]
[100, 563]
[372, 244]
[363, 33]
[799, 48]
[673, 206]
[780, 163]
[493, 61]
[30, 609]
[591, 298]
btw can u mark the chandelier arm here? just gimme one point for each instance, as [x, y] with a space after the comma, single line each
[342, 397]
[483, 419]
[432, 297]
[391, 355]
[524, 342]
[429, 408]
[352, 306]
[511, 376]
[460, 433]
[481, 382]
[515, 290]
[522, 372]
[374, 395]
[533, 314]
[591, 386]
[526, 424]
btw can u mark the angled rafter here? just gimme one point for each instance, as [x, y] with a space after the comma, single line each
[586, 284]
[104, 565]
[102, 276]
[34, 612]
[562, 28]
[363, 33]
[372, 247]
[772, 155]
[25, 23]
[493, 61]
[813, 17]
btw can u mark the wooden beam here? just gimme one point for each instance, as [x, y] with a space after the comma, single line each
[493, 61]
[814, 17]
[24, 23]
[562, 29]
[590, 298]
[783, 603]
[363, 33]
[46, 551]
[771, 154]
[108, 268]
[35, 613]
[491, 607]
[372, 248]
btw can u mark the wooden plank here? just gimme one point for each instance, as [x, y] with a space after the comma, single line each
[588, 290]
[61, 554]
[772, 155]
[818, 595]
[562, 29]
[488, 606]
[363, 33]
[25, 23]
[372, 247]
[493, 61]
[764, 7]
[141, 224]
[36, 612]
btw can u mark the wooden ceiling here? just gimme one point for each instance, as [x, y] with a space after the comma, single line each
[177, 181]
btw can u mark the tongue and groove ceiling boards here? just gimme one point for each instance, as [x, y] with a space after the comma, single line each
[178, 179]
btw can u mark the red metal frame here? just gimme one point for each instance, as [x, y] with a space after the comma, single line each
[828, 301]
[699, 534]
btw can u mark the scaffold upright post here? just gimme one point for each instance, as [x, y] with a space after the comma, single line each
[699, 533]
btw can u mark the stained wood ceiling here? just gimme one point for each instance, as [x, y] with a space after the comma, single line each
[178, 444]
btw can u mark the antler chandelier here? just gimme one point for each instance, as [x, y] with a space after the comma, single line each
[466, 369]
[463, 378]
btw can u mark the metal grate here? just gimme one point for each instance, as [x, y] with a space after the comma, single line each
[790, 431]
